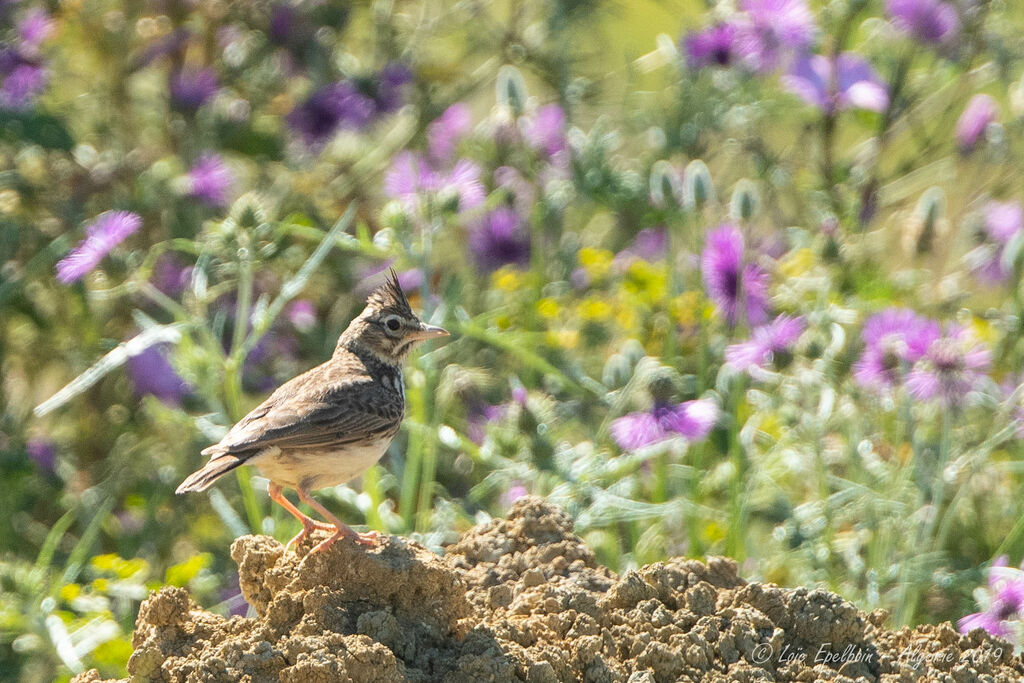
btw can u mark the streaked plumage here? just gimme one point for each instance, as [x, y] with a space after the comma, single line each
[328, 425]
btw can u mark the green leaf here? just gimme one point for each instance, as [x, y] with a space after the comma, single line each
[42, 129]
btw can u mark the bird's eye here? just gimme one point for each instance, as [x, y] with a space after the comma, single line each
[392, 323]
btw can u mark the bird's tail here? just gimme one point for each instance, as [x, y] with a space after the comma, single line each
[200, 480]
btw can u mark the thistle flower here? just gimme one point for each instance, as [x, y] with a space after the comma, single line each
[170, 275]
[738, 290]
[103, 234]
[210, 180]
[1002, 221]
[446, 131]
[22, 79]
[43, 453]
[412, 177]
[950, 368]
[499, 238]
[302, 315]
[329, 109]
[847, 82]
[928, 21]
[980, 112]
[648, 245]
[767, 344]
[776, 30]
[192, 87]
[545, 130]
[692, 420]
[34, 28]
[152, 373]
[718, 45]
[391, 84]
[894, 340]
[1002, 600]
[514, 493]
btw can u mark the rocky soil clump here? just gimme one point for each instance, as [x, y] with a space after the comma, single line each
[522, 599]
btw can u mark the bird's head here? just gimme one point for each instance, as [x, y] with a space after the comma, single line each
[387, 327]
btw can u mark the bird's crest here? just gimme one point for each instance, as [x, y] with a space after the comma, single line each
[390, 295]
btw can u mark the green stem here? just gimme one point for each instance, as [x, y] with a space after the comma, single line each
[735, 538]
[233, 380]
[414, 456]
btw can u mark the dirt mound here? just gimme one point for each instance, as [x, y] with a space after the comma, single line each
[522, 599]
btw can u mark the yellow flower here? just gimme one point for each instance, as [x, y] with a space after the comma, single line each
[627, 319]
[507, 279]
[685, 308]
[548, 308]
[69, 592]
[594, 309]
[597, 262]
[567, 339]
[647, 280]
[797, 263]
[101, 585]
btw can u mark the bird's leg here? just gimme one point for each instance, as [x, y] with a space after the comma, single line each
[308, 524]
[341, 530]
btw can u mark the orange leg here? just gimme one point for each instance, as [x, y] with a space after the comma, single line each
[341, 530]
[308, 524]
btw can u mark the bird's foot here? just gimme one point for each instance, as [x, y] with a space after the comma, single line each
[366, 539]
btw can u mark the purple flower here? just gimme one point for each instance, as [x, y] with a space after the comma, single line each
[391, 85]
[776, 29]
[738, 290]
[950, 368]
[718, 45]
[479, 416]
[283, 21]
[499, 238]
[43, 453]
[106, 232]
[545, 130]
[766, 343]
[849, 82]
[894, 340]
[1002, 222]
[170, 275]
[22, 79]
[329, 109]
[210, 180]
[1004, 598]
[34, 28]
[692, 420]
[648, 245]
[514, 493]
[980, 111]
[929, 21]
[192, 87]
[445, 132]
[302, 315]
[152, 373]
[412, 176]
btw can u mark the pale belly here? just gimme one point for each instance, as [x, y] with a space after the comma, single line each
[317, 469]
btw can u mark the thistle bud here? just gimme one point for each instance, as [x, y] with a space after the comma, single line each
[745, 202]
[666, 185]
[510, 89]
[698, 191]
[930, 210]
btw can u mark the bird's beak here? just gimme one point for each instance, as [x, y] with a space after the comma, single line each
[427, 332]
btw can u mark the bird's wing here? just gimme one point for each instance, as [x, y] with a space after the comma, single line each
[315, 411]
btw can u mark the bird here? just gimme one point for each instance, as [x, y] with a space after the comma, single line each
[332, 423]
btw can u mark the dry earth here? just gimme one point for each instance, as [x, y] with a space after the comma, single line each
[522, 599]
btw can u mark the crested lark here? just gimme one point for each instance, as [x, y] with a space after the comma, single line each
[332, 423]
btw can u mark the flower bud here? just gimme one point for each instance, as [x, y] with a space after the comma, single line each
[510, 89]
[666, 185]
[698, 191]
[745, 202]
